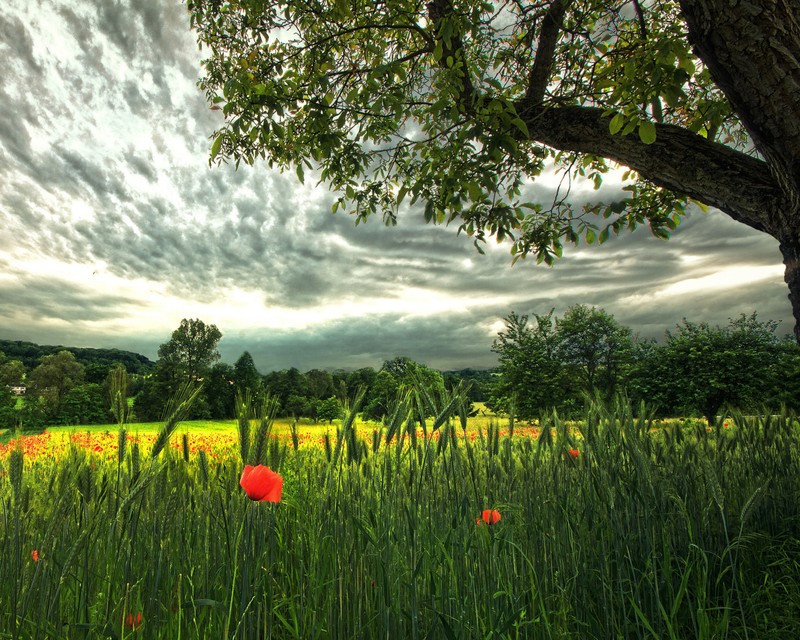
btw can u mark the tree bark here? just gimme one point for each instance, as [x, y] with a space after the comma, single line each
[791, 262]
[752, 50]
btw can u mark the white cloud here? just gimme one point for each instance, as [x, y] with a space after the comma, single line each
[726, 278]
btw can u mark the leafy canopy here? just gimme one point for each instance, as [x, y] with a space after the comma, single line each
[442, 103]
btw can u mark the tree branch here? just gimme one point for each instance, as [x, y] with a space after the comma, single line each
[438, 10]
[678, 160]
[545, 52]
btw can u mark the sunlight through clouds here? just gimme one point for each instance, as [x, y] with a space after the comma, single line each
[726, 278]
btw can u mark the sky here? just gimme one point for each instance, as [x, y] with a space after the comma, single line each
[113, 226]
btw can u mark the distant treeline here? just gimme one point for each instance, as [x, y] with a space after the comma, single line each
[74, 386]
[30, 355]
[546, 363]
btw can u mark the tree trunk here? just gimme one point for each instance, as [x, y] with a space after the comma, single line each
[791, 261]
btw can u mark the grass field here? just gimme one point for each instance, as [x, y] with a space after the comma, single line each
[615, 527]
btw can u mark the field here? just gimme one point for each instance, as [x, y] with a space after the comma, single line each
[614, 527]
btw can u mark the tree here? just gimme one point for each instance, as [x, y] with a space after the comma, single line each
[8, 412]
[191, 350]
[320, 384]
[151, 400]
[12, 372]
[187, 357]
[380, 395]
[299, 406]
[701, 368]
[329, 409]
[409, 374]
[53, 378]
[480, 382]
[246, 376]
[354, 380]
[84, 404]
[531, 377]
[219, 389]
[282, 384]
[458, 104]
[595, 347]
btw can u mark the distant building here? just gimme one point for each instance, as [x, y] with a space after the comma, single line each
[18, 389]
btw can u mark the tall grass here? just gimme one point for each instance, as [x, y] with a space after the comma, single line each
[681, 533]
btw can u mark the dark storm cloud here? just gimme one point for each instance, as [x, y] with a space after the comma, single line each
[139, 29]
[15, 139]
[450, 342]
[55, 297]
[142, 162]
[17, 42]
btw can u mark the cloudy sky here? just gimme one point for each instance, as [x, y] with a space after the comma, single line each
[114, 227]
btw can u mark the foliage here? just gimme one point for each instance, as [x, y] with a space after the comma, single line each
[559, 361]
[55, 376]
[458, 104]
[83, 404]
[190, 352]
[381, 395]
[12, 372]
[219, 390]
[187, 358]
[320, 384]
[30, 355]
[480, 381]
[245, 375]
[35, 414]
[595, 349]
[329, 409]
[696, 371]
[8, 413]
[151, 399]
[282, 384]
[299, 406]
[700, 369]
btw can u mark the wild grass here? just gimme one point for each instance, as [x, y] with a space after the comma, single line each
[678, 533]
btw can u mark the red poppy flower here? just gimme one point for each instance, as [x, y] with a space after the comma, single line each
[35, 555]
[574, 453]
[133, 621]
[489, 516]
[261, 483]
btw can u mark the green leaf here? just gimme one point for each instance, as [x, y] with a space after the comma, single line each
[216, 146]
[300, 174]
[519, 123]
[616, 123]
[629, 70]
[647, 132]
[475, 192]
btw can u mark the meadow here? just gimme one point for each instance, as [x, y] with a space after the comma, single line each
[613, 527]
